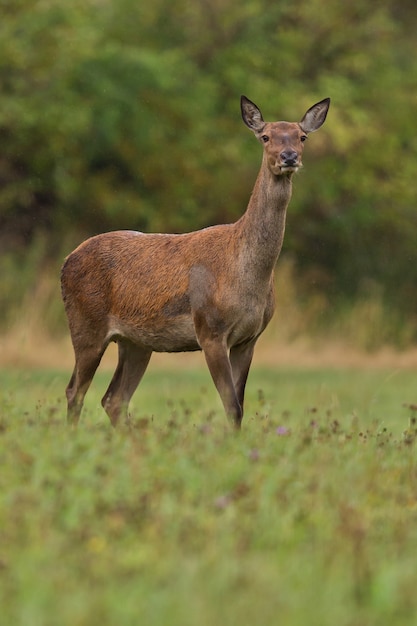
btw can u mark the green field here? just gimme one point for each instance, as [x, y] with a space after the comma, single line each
[307, 517]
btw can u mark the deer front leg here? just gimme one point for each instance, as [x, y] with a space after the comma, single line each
[218, 363]
[213, 344]
[240, 360]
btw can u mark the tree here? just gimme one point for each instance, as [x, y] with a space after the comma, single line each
[126, 115]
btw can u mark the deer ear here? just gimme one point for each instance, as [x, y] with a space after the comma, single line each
[251, 115]
[315, 116]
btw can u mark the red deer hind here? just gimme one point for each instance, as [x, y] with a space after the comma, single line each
[209, 290]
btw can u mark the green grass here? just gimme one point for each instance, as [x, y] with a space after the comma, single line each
[308, 517]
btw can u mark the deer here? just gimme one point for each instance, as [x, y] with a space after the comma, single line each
[210, 290]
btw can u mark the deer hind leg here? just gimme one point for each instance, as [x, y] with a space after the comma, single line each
[133, 361]
[86, 362]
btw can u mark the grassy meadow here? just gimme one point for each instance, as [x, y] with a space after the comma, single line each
[309, 516]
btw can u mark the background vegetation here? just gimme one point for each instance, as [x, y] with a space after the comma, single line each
[125, 114]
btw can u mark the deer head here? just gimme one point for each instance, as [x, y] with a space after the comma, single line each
[283, 141]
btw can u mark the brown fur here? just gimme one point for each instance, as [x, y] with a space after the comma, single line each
[209, 290]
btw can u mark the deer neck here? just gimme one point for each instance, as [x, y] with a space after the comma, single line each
[262, 226]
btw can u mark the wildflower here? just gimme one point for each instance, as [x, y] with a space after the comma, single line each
[282, 430]
[254, 454]
[222, 502]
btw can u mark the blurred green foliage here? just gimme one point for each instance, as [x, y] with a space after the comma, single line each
[125, 114]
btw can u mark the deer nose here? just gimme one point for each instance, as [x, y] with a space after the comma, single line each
[289, 157]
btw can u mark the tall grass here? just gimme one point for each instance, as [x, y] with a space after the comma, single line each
[31, 307]
[366, 322]
[30, 291]
[308, 517]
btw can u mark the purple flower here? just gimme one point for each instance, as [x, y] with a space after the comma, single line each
[222, 502]
[281, 430]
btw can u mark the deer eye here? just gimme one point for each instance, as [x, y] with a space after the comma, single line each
[265, 138]
[303, 138]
